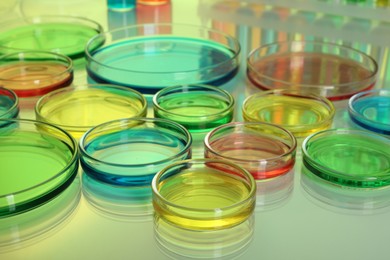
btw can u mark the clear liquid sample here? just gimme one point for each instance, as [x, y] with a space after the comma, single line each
[31, 78]
[318, 72]
[65, 38]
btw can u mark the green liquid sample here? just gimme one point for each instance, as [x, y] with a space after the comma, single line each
[195, 111]
[350, 159]
[28, 159]
[64, 38]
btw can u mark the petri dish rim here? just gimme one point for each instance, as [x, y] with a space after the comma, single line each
[15, 106]
[299, 94]
[89, 54]
[199, 87]
[116, 122]
[82, 88]
[73, 159]
[335, 173]
[251, 194]
[42, 20]
[234, 124]
[372, 75]
[356, 115]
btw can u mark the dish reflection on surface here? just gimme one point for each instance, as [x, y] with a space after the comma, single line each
[275, 192]
[342, 199]
[180, 243]
[118, 202]
[30, 227]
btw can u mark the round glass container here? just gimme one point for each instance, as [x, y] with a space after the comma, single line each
[204, 194]
[348, 157]
[149, 57]
[264, 150]
[37, 162]
[327, 69]
[34, 73]
[9, 104]
[77, 109]
[196, 107]
[371, 110]
[302, 113]
[61, 34]
[129, 152]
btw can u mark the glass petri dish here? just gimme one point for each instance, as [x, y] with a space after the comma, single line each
[204, 194]
[61, 34]
[149, 57]
[347, 157]
[130, 151]
[9, 104]
[37, 162]
[371, 110]
[327, 69]
[35, 73]
[265, 150]
[300, 112]
[79, 108]
[196, 107]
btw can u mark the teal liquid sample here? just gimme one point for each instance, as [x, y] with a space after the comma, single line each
[65, 38]
[121, 5]
[151, 63]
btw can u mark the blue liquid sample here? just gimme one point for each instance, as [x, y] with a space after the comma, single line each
[374, 113]
[132, 157]
[149, 64]
[120, 5]
[6, 103]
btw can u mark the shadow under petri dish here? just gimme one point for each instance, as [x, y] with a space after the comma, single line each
[30, 227]
[178, 243]
[120, 203]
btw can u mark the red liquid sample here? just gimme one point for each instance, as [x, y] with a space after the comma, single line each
[34, 78]
[264, 157]
[328, 75]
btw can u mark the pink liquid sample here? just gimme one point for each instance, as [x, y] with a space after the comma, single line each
[34, 78]
[329, 75]
[264, 157]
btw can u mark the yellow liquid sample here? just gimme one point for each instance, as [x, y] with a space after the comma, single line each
[204, 199]
[77, 111]
[302, 116]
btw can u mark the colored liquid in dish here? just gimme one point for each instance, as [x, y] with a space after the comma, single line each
[302, 116]
[65, 38]
[34, 78]
[195, 111]
[204, 189]
[151, 63]
[7, 108]
[252, 152]
[320, 73]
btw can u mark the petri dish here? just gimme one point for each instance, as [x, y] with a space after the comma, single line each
[353, 158]
[371, 110]
[35, 73]
[149, 57]
[303, 113]
[130, 151]
[61, 34]
[327, 69]
[37, 162]
[204, 194]
[77, 109]
[196, 107]
[9, 104]
[179, 243]
[265, 150]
